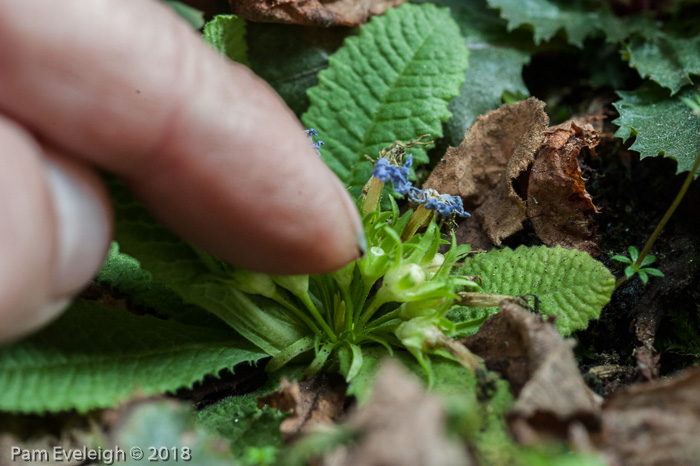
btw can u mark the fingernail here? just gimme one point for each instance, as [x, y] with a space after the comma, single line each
[354, 215]
[82, 227]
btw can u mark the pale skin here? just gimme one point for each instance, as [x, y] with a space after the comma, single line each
[126, 87]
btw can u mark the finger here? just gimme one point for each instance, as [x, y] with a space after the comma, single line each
[210, 149]
[54, 232]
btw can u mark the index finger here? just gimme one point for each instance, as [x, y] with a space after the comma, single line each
[210, 149]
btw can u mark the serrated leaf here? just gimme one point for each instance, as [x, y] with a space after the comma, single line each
[666, 58]
[569, 284]
[124, 275]
[226, 33]
[496, 60]
[579, 19]
[197, 277]
[392, 82]
[663, 125]
[94, 357]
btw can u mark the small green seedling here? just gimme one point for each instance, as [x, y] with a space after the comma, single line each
[640, 268]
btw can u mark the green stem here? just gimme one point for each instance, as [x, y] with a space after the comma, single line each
[373, 307]
[306, 299]
[385, 318]
[667, 216]
[279, 299]
[420, 217]
[374, 193]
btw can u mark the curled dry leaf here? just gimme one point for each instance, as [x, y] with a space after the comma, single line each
[400, 426]
[321, 13]
[540, 365]
[313, 402]
[654, 424]
[511, 167]
[557, 202]
[484, 168]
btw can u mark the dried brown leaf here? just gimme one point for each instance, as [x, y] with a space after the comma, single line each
[313, 402]
[485, 167]
[542, 370]
[654, 424]
[558, 204]
[321, 13]
[400, 426]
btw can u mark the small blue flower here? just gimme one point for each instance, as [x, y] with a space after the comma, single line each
[385, 171]
[444, 204]
[311, 133]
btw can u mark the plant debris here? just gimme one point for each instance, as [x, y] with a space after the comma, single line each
[313, 402]
[543, 373]
[400, 426]
[350, 13]
[510, 168]
[654, 424]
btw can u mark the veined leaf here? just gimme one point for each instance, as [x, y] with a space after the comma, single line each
[94, 357]
[226, 33]
[667, 59]
[661, 124]
[197, 277]
[392, 82]
[579, 19]
[496, 60]
[569, 284]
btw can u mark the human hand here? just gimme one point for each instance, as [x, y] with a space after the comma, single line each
[210, 149]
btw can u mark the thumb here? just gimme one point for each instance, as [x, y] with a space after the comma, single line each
[54, 232]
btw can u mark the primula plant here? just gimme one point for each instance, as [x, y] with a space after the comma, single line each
[382, 102]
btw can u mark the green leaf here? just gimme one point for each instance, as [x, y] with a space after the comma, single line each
[243, 424]
[634, 253]
[496, 60]
[226, 33]
[654, 272]
[94, 357]
[665, 58]
[199, 278]
[570, 284]
[394, 81]
[647, 260]
[643, 276]
[663, 125]
[579, 19]
[289, 58]
[192, 15]
[630, 270]
[124, 275]
[623, 259]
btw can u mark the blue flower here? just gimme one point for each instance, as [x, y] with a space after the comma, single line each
[444, 204]
[311, 133]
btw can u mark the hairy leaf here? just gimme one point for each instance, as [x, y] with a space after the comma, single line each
[661, 124]
[95, 357]
[123, 274]
[226, 33]
[197, 277]
[496, 60]
[665, 58]
[579, 19]
[392, 82]
[569, 284]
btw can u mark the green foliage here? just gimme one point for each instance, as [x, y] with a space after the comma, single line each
[568, 284]
[579, 19]
[248, 429]
[661, 124]
[393, 82]
[496, 59]
[96, 357]
[226, 33]
[197, 277]
[642, 269]
[666, 58]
